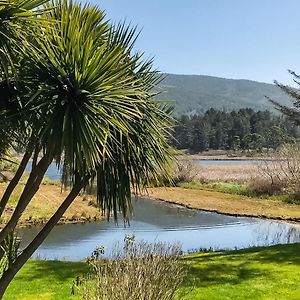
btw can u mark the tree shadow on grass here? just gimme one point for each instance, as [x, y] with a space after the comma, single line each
[235, 267]
[58, 270]
[219, 274]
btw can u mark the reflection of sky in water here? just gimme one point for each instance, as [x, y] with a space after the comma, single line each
[160, 221]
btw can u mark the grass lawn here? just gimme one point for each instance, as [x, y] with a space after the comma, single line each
[258, 273]
[262, 273]
[45, 280]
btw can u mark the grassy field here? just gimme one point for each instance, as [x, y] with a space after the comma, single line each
[266, 273]
[45, 280]
[259, 273]
[46, 201]
[236, 188]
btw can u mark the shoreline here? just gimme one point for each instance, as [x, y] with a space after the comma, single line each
[27, 223]
[294, 221]
[221, 157]
[199, 199]
[240, 205]
[41, 222]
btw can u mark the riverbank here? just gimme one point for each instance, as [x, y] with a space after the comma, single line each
[223, 155]
[49, 197]
[244, 274]
[220, 157]
[45, 203]
[228, 204]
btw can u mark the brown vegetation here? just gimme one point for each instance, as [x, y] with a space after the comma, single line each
[45, 203]
[225, 172]
[144, 271]
[219, 172]
[280, 174]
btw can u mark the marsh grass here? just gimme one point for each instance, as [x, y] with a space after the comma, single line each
[275, 178]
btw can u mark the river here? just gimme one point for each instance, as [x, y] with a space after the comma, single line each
[160, 221]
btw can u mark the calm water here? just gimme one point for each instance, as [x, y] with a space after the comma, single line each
[160, 221]
[226, 161]
[55, 174]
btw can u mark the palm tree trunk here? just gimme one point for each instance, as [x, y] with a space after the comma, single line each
[8, 275]
[13, 183]
[31, 187]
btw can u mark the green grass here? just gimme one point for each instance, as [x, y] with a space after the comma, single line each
[259, 273]
[263, 273]
[223, 187]
[45, 280]
[236, 189]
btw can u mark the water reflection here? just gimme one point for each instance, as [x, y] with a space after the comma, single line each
[272, 233]
[156, 220]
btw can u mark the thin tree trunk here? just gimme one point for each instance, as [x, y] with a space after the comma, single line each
[13, 183]
[8, 275]
[29, 191]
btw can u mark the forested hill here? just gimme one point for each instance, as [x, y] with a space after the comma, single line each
[196, 93]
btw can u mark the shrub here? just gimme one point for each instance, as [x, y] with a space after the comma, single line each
[181, 171]
[136, 270]
[184, 171]
[265, 186]
[281, 173]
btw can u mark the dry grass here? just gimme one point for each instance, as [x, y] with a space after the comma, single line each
[228, 204]
[45, 203]
[225, 172]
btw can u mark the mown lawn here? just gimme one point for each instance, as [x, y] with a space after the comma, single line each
[262, 273]
[45, 280]
[259, 273]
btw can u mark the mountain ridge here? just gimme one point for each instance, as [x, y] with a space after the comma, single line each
[194, 94]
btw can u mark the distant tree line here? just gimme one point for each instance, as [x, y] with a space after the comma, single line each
[244, 129]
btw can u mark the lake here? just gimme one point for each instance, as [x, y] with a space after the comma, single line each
[226, 161]
[55, 174]
[160, 221]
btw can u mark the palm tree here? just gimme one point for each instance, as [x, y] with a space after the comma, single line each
[85, 99]
[18, 20]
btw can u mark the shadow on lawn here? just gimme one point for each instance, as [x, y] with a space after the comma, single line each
[57, 270]
[234, 267]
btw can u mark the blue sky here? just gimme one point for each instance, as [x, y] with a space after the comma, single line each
[249, 39]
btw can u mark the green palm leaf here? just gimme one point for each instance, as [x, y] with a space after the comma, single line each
[87, 97]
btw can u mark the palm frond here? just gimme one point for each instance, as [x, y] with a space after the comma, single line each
[17, 19]
[87, 97]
